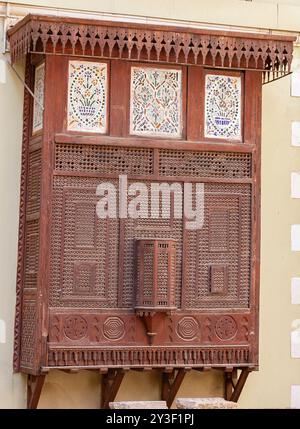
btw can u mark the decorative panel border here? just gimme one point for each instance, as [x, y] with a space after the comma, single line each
[154, 357]
[272, 54]
[215, 328]
[222, 340]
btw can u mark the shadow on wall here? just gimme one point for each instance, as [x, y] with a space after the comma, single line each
[82, 390]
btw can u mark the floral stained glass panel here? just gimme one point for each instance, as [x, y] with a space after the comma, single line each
[223, 107]
[39, 83]
[156, 102]
[87, 96]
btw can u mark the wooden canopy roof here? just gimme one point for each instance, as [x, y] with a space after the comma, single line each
[271, 55]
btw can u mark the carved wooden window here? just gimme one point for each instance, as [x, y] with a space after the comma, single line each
[163, 107]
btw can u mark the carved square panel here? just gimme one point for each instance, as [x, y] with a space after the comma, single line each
[223, 107]
[156, 102]
[84, 248]
[223, 241]
[218, 279]
[87, 96]
[39, 83]
[84, 277]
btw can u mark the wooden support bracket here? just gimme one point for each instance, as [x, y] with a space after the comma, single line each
[111, 382]
[34, 388]
[230, 376]
[234, 386]
[171, 382]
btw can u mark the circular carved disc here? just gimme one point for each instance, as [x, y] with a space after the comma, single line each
[226, 328]
[75, 327]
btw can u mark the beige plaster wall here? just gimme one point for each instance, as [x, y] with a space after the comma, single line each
[270, 387]
[274, 14]
[82, 390]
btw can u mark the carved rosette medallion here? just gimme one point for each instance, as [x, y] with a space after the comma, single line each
[226, 328]
[75, 327]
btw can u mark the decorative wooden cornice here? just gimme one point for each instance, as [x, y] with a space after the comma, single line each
[45, 34]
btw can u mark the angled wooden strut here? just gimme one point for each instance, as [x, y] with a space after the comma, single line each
[111, 382]
[171, 382]
[233, 386]
[34, 388]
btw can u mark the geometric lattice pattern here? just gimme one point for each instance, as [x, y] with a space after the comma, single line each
[39, 81]
[84, 248]
[104, 159]
[229, 165]
[143, 229]
[212, 253]
[155, 102]
[28, 337]
[87, 96]
[156, 273]
[218, 256]
[223, 107]
[137, 161]
[34, 182]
